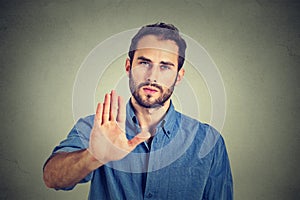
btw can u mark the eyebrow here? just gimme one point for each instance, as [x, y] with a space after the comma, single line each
[161, 62]
[144, 58]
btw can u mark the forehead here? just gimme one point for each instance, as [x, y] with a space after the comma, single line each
[155, 44]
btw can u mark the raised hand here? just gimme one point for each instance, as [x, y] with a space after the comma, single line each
[108, 140]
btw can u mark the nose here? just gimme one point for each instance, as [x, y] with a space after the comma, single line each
[153, 74]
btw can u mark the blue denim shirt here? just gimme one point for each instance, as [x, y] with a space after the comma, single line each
[186, 160]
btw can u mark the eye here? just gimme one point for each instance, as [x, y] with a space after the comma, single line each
[144, 63]
[165, 67]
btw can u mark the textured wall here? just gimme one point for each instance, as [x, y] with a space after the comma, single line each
[255, 44]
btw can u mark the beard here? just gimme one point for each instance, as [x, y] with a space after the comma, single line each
[147, 101]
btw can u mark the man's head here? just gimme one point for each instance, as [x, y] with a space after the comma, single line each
[155, 64]
[163, 32]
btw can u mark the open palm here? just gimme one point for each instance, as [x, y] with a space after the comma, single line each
[108, 141]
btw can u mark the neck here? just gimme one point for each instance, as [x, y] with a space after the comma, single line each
[149, 117]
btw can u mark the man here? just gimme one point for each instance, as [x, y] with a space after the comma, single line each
[148, 150]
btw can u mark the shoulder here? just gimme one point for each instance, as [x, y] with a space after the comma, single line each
[206, 137]
[83, 126]
[186, 121]
[87, 122]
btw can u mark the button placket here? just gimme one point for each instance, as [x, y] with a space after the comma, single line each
[151, 183]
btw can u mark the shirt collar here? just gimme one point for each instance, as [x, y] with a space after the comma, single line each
[166, 124]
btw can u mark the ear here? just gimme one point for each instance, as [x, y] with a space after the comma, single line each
[180, 76]
[127, 66]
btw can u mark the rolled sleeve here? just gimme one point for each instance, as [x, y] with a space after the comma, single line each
[77, 139]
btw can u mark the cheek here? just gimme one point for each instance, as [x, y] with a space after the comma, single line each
[137, 81]
[138, 72]
[167, 81]
[136, 76]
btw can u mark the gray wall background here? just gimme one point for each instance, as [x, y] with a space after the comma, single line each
[255, 44]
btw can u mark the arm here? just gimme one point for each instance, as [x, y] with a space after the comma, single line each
[219, 184]
[67, 169]
[107, 143]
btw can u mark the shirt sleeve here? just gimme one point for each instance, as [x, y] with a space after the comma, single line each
[219, 184]
[77, 139]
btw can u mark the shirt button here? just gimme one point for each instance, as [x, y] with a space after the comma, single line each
[149, 195]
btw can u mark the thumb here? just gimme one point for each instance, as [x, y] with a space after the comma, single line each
[139, 138]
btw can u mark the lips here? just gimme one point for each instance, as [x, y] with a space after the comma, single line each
[150, 90]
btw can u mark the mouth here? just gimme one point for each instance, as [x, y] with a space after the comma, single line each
[150, 90]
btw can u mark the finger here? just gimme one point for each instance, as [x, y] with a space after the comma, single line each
[113, 105]
[106, 108]
[121, 110]
[98, 116]
[138, 139]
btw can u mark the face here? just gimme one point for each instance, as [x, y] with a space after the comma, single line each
[154, 71]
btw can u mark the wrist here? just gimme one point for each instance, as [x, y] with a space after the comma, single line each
[94, 163]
